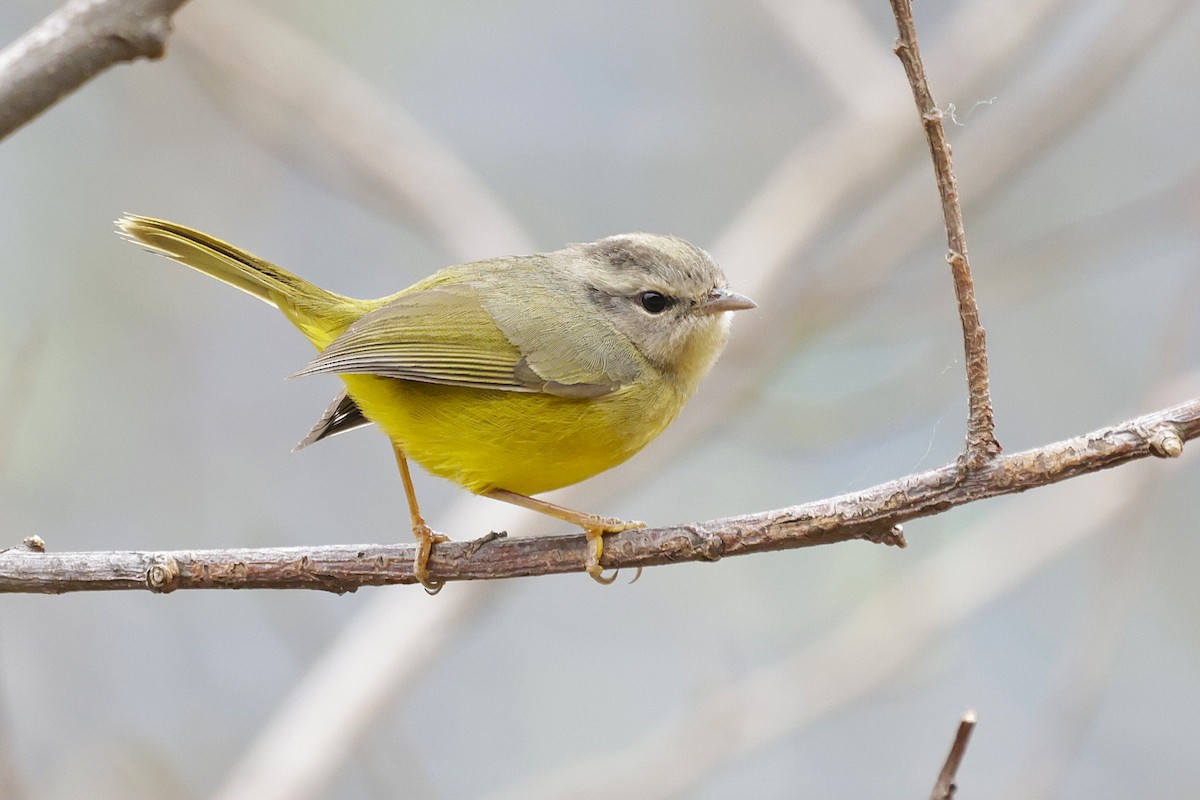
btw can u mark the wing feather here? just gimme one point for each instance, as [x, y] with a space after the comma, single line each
[446, 335]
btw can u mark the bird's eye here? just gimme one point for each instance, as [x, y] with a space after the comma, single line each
[654, 302]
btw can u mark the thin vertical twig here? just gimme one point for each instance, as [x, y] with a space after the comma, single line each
[981, 445]
[944, 788]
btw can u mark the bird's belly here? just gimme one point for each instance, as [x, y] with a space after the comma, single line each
[523, 442]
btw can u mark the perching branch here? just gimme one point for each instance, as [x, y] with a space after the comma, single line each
[981, 428]
[944, 788]
[873, 514]
[74, 44]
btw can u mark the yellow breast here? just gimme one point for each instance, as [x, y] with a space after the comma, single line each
[523, 442]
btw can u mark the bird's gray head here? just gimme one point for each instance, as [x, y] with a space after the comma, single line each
[667, 296]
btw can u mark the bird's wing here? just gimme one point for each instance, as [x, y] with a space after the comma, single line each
[446, 335]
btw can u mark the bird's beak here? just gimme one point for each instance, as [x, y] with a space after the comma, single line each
[724, 300]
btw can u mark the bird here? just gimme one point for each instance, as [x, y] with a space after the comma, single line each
[510, 376]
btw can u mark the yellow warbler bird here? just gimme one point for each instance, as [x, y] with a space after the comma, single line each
[510, 376]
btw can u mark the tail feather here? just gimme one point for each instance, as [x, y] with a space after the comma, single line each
[320, 314]
[342, 415]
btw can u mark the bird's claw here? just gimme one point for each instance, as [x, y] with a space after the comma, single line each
[426, 538]
[595, 540]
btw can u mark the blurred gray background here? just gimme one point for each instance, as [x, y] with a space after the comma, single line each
[144, 406]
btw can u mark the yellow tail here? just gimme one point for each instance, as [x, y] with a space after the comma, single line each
[319, 314]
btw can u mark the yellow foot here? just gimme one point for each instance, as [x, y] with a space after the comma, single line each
[426, 538]
[595, 539]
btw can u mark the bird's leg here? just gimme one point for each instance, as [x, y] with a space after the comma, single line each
[593, 526]
[426, 537]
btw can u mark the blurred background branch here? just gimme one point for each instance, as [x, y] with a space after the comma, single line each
[337, 126]
[72, 46]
